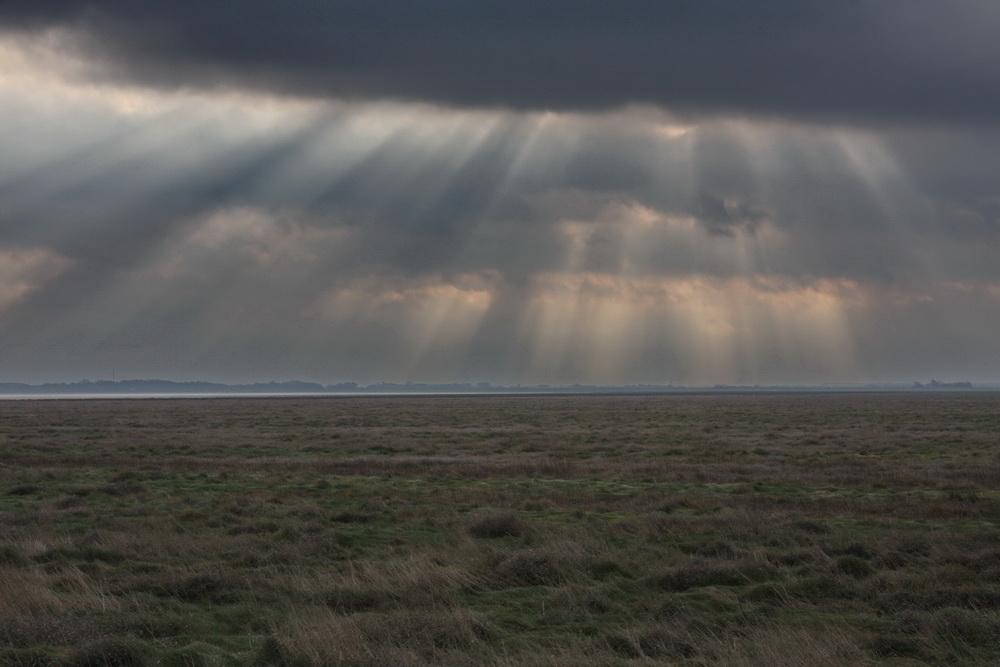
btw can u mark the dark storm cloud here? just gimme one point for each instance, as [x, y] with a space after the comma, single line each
[720, 217]
[911, 60]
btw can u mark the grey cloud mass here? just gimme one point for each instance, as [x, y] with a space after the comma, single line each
[631, 192]
[858, 61]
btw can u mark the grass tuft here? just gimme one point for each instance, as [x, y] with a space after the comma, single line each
[112, 652]
[496, 525]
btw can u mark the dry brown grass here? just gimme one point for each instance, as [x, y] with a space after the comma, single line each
[26, 594]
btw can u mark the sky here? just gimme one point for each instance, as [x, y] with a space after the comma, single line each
[687, 192]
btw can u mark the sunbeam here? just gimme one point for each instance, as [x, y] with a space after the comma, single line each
[237, 233]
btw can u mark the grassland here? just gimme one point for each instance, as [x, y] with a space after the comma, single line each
[841, 529]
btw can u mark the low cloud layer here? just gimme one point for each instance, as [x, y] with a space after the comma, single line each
[241, 210]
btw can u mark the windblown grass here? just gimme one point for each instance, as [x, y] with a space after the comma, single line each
[841, 529]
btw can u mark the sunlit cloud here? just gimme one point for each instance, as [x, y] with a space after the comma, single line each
[431, 319]
[23, 271]
[720, 330]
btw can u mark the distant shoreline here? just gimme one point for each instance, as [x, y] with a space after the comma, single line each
[167, 388]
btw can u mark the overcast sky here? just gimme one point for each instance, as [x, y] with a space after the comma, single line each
[546, 191]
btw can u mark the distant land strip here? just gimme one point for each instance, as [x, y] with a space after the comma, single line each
[155, 386]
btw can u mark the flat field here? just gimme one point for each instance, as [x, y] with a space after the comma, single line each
[764, 529]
